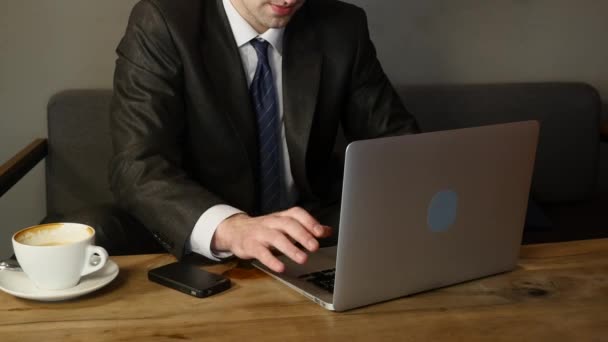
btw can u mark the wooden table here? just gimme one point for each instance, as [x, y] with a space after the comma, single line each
[559, 292]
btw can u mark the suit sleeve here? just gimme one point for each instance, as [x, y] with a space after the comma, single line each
[374, 109]
[147, 124]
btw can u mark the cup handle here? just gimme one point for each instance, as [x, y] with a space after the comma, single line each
[88, 266]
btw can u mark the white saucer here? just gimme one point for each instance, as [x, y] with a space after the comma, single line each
[19, 285]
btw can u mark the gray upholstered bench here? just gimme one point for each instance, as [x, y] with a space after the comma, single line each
[78, 148]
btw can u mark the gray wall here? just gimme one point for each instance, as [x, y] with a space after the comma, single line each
[46, 46]
[488, 41]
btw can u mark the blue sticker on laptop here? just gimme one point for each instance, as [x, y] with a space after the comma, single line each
[442, 210]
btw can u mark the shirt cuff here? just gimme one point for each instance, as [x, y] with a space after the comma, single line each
[205, 227]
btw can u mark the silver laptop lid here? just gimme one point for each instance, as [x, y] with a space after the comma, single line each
[428, 210]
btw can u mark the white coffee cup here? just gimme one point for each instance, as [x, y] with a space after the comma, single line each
[56, 255]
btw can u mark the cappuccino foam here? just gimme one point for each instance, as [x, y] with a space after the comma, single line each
[54, 235]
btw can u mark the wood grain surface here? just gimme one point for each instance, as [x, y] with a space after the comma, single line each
[558, 292]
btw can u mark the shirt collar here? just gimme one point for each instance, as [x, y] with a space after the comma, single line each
[243, 32]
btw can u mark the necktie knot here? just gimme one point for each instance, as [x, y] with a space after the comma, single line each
[261, 48]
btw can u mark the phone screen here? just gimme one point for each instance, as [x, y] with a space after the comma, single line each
[189, 279]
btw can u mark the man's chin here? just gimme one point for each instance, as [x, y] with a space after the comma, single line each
[278, 22]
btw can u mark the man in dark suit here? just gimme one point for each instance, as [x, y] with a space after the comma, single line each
[225, 116]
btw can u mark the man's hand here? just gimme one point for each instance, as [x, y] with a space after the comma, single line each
[254, 237]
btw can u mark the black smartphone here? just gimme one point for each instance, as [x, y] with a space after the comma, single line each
[189, 279]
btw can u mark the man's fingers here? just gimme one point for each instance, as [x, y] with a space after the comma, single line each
[285, 246]
[265, 257]
[295, 231]
[281, 231]
[305, 219]
[327, 231]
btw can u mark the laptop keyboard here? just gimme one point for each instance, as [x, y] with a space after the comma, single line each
[323, 279]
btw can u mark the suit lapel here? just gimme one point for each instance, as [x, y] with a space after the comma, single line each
[227, 77]
[302, 61]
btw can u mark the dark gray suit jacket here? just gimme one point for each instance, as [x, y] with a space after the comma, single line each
[183, 129]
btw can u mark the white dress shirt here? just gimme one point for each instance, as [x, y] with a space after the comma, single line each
[200, 240]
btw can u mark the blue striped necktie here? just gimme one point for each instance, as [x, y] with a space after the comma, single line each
[264, 99]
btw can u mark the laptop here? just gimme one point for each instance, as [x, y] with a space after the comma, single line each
[420, 212]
